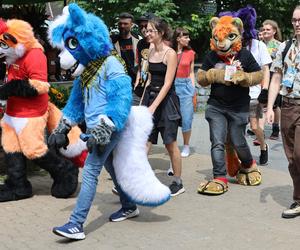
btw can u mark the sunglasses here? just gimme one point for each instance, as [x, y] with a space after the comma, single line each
[143, 26]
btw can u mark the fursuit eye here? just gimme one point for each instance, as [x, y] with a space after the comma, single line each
[215, 38]
[3, 45]
[72, 43]
[232, 36]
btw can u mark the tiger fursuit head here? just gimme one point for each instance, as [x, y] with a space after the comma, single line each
[29, 114]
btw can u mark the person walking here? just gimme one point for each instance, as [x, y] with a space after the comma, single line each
[161, 98]
[286, 78]
[125, 44]
[272, 38]
[185, 84]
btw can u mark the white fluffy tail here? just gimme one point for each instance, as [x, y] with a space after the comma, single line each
[133, 171]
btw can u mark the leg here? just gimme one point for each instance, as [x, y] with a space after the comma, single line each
[218, 132]
[218, 123]
[91, 171]
[125, 202]
[249, 173]
[174, 153]
[16, 185]
[290, 131]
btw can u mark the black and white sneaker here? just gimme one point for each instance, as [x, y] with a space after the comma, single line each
[263, 158]
[124, 214]
[292, 212]
[176, 189]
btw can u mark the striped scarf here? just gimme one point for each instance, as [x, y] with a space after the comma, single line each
[90, 72]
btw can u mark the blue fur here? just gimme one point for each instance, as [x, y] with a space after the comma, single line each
[74, 109]
[119, 94]
[90, 31]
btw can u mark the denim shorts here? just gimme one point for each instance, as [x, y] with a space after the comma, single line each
[185, 91]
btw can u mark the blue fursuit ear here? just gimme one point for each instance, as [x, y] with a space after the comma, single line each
[77, 15]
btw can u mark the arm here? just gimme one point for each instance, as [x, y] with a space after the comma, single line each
[273, 92]
[118, 93]
[73, 113]
[171, 60]
[17, 88]
[192, 73]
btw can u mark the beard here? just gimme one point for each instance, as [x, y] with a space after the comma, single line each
[124, 32]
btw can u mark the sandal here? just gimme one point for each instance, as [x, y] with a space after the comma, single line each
[213, 187]
[249, 176]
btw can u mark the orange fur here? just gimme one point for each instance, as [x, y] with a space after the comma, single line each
[9, 139]
[53, 120]
[32, 137]
[222, 28]
[23, 32]
[40, 86]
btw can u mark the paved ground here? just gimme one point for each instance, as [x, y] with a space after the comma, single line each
[243, 218]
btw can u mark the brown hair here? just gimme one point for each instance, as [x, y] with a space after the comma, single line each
[162, 27]
[275, 26]
[178, 33]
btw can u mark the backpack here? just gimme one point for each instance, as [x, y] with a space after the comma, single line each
[286, 49]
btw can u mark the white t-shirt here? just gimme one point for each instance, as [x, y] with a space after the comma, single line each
[260, 52]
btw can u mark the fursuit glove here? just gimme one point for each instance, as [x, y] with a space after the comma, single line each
[17, 88]
[263, 96]
[99, 136]
[58, 137]
[247, 79]
[211, 76]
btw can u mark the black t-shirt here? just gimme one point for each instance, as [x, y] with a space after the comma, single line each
[235, 96]
[143, 49]
[127, 54]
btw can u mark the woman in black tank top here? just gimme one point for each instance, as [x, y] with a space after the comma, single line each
[161, 98]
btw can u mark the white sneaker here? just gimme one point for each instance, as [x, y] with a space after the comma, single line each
[185, 151]
[170, 170]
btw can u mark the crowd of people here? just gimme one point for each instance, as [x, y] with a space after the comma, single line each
[256, 82]
[162, 78]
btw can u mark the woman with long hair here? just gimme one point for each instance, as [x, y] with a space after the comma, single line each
[161, 98]
[185, 84]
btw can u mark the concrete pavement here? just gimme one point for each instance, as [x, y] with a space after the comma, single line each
[243, 218]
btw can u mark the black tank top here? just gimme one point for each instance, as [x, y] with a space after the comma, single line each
[158, 74]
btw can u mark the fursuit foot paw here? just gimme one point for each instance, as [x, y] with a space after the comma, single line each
[249, 176]
[10, 193]
[213, 187]
[65, 184]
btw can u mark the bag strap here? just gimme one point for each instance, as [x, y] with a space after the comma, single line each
[286, 49]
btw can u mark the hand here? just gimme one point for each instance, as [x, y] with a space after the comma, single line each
[152, 109]
[270, 116]
[59, 137]
[58, 140]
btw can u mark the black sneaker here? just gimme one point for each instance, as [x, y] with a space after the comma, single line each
[274, 135]
[292, 212]
[176, 189]
[263, 158]
[250, 132]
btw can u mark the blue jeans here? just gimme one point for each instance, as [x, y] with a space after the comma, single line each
[91, 171]
[185, 91]
[221, 121]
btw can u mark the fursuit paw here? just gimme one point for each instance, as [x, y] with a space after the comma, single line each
[213, 187]
[10, 193]
[66, 183]
[249, 176]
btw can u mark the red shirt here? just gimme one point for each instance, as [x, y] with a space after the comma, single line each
[184, 67]
[33, 65]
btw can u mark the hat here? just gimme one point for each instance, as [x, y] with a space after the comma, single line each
[145, 17]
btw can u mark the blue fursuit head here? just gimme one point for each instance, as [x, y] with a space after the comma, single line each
[83, 38]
